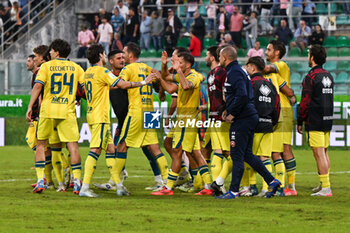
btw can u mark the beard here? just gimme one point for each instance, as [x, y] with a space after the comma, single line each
[209, 63]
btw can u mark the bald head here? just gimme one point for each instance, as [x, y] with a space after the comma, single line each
[227, 55]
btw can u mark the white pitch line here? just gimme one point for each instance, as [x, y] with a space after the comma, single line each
[106, 177]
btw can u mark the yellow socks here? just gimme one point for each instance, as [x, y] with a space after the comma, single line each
[48, 169]
[76, 170]
[204, 172]
[252, 175]
[90, 166]
[268, 166]
[111, 164]
[216, 165]
[56, 163]
[39, 168]
[280, 171]
[163, 165]
[291, 171]
[120, 161]
[324, 179]
[172, 177]
[245, 177]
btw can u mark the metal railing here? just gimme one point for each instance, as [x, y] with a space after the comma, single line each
[25, 29]
[16, 79]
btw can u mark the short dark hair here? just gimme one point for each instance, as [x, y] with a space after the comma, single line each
[156, 13]
[114, 52]
[182, 50]
[258, 62]
[187, 57]
[41, 50]
[61, 46]
[134, 49]
[319, 54]
[212, 50]
[93, 53]
[278, 45]
[31, 56]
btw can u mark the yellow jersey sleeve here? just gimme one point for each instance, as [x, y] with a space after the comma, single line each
[195, 79]
[80, 74]
[284, 73]
[110, 79]
[125, 73]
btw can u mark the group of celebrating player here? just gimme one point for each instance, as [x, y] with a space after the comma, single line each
[253, 104]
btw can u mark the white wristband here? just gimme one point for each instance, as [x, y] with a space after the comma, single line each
[143, 82]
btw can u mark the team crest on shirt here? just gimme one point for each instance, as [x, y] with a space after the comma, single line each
[265, 91]
[327, 83]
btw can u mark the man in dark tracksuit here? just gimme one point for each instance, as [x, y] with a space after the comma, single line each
[316, 110]
[242, 115]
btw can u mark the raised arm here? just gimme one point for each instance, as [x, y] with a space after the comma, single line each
[186, 85]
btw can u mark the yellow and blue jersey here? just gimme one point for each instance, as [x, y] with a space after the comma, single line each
[188, 100]
[60, 78]
[98, 80]
[284, 73]
[140, 99]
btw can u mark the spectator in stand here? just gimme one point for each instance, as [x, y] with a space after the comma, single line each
[195, 45]
[85, 38]
[95, 24]
[256, 51]
[275, 10]
[346, 7]
[309, 12]
[104, 14]
[175, 24]
[223, 19]
[229, 7]
[227, 39]
[117, 21]
[192, 6]
[265, 6]
[251, 30]
[284, 34]
[166, 7]
[211, 12]
[15, 19]
[156, 30]
[123, 10]
[145, 31]
[148, 5]
[117, 43]
[198, 26]
[317, 36]
[246, 8]
[296, 13]
[131, 28]
[195, 48]
[283, 8]
[301, 36]
[105, 34]
[236, 26]
[220, 36]
[169, 40]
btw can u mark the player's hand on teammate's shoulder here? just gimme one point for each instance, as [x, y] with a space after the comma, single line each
[150, 78]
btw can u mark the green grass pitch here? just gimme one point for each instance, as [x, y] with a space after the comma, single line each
[23, 211]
